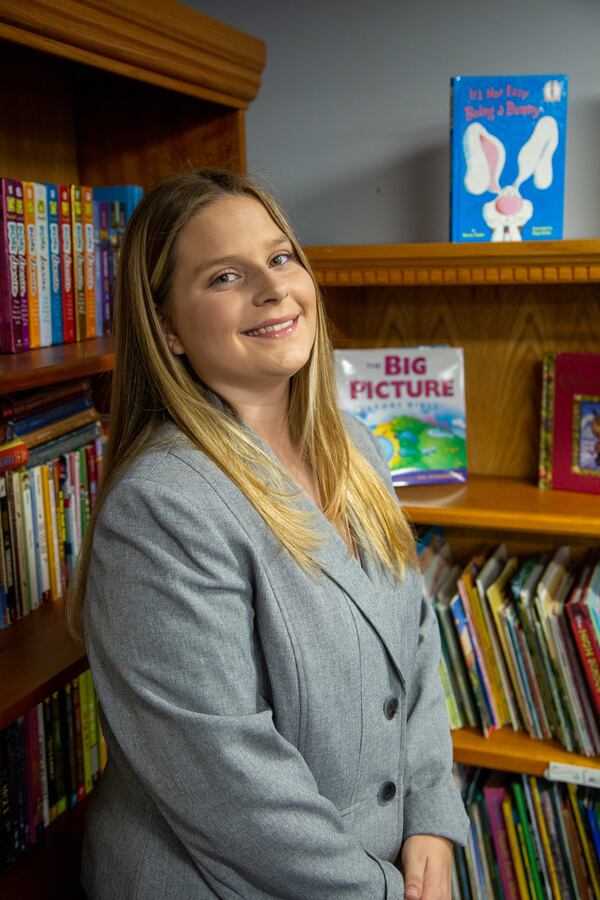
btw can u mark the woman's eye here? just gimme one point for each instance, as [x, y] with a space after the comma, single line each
[224, 278]
[281, 258]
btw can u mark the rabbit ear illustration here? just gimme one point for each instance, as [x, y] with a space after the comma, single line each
[485, 156]
[535, 157]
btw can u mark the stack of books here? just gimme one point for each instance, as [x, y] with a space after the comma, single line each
[520, 640]
[50, 759]
[59, 248]
[530, 839]
[50, 472]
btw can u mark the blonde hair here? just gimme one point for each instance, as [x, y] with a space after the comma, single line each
[151, 385]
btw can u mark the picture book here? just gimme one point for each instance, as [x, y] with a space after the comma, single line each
[570, 422]
[508, 142]
[413, 401]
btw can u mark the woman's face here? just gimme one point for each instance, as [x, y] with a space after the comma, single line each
[243, 308]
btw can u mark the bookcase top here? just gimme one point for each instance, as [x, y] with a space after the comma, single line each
[161, 42]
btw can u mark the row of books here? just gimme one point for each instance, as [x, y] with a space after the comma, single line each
[570, 422]
[50, 759]
[50, 471]
[530, 839]
[59, 248]
[520, 640]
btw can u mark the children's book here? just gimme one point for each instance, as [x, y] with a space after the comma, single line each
[413, 400]
[570, 431]
[508, 141]
[55, 264]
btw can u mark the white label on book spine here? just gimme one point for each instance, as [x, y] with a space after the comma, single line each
[583, 775]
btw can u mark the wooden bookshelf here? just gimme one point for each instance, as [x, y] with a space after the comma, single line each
[49, 365]
[485, 501]
[513, 751]
[529, 262]
[37, 656]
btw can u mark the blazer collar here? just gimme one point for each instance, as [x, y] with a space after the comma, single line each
[373, 590]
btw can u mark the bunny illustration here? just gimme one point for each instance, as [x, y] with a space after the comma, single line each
[485, 156]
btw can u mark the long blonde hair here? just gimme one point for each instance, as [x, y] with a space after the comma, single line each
[151, 385]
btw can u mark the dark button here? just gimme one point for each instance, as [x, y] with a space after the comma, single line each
[390, 707]
[387, 792]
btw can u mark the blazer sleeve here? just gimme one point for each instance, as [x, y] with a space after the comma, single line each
[171, 641]
[432, 803]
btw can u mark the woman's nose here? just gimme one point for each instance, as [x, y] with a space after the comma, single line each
[270, 288]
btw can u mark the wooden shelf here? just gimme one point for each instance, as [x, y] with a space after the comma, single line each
[50, 869]
[512, 751]
[37, 656]
[532, 262]
[505, 503]
[40, 368]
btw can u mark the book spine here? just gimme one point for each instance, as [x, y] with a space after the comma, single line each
[88, 261]
[588, 853]
[41, 224]
[55, 264]
[10, 312]
[33, 302]
[34, 589]
[509, 821]
[78, 739]
[106, 282]
[494, 798]
[50, 760]
[22, 262]
[13, 484]
[13, 457]
[41, 535]
[467, 646]
[78, 261]
[50, 415]
[586, 651]
[66, 263]
[529, 856]
[98, 298]
[60, 427]
[45, 814]
[64, 444]
[85, 733]
[59, 756]
[66, 697]
[9, 557]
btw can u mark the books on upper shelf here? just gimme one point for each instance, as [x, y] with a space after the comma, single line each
[59, 246]
[50, 759]
[51, 459]
[530, 839]
[520, 640]
[413, 400]
[569, 458]
[508, 143]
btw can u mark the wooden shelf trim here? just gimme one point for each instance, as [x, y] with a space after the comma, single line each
[485, 501]
[159, 41]
[532, 262]
[40, 368]
[37, 656]
[512, 751]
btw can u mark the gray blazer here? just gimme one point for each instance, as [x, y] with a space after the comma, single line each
[268, 735]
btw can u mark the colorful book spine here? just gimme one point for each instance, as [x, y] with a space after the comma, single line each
[43, 254]
[33, 304]
[22, 250]
[55, 264]
[87, 207]
[41, 535]
[494, 797]
[468, 651]
[66, 263]
[78, 261]
[11, 328]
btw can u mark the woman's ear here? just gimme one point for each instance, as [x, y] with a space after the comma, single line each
[175, 345]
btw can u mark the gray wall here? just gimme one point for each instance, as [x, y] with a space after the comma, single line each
[350, 127]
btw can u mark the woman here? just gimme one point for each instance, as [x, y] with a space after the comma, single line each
[265, 666]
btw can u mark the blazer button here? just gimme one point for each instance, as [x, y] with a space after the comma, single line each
[390, 707]
[387, 792]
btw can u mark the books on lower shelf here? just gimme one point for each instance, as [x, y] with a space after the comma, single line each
[508, 143]
[59, 248]
[569, 457]
[413, 400]
[530, 839]
[50, 759]
[520, 640]
[50, 472]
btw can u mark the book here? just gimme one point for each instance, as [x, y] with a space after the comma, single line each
[494, 797]
[129, 195]
[78, 244]
[40, 195]
[508, 143]
[31, 254]
[89, 277]
[515, 849]
[11, 323]
[55, 264]
[413, 401]
[66, 263]
[570, 453]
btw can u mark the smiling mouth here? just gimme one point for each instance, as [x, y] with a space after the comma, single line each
[273, 331]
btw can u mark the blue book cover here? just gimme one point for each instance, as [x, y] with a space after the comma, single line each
[127, 194]
[508, 142]
[55, 273]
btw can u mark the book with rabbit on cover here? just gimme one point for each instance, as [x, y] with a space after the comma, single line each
[508, 141]
[413, 401]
